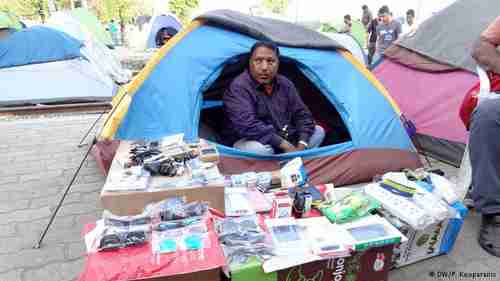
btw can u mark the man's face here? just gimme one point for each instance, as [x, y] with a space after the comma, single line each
[386, 18]
[166, 37]
[409, 19]
[4, 33]
[264, 65]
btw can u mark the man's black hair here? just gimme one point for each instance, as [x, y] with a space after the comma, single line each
[364, 7]
[268, 44]
[170, 30]
[347, 17]
[410, 12]
[384, 10]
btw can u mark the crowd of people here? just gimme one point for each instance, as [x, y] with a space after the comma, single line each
[382, 30]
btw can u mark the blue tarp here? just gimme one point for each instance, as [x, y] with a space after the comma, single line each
[158, 23]
[37, 45]
[170, 100]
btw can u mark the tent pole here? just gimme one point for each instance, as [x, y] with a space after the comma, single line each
[91, 128]
[54, 213]
[94, 141]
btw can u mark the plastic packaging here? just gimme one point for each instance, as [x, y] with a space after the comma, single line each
[293, 173]
[242, 238]
[432, 205]
[122, 231]
[118, 237]
[264, 181]
[176, 208]
[237, 202]
[353, 206]
[187, 238]
[401, 207]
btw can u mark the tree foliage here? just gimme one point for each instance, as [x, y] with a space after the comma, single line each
[276, 6]
[183, 8]
[32, 9]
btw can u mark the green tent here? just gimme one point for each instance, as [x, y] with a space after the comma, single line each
[93, 25]
[9, 20]
[358, 30]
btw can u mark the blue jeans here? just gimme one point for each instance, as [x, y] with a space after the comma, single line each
[256, 147]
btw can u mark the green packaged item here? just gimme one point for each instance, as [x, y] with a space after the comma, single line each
[251, 271]
[353, 206]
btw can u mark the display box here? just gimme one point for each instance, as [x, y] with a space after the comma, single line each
[372, 264]
[127, 203]
[434, 240]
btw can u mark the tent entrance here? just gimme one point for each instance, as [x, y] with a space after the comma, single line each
[324, 112]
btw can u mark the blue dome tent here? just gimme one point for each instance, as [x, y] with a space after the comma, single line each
[179, 87]
[158, 23]
[52, 72]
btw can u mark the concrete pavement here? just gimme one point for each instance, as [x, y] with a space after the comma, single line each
[38, 158]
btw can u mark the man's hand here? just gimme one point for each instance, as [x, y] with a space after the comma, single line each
[301, 147]
[287, 147]
[487, 56]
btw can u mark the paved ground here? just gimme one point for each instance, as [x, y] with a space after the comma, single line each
[38, 158]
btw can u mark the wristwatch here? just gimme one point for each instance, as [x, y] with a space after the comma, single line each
[304, 143]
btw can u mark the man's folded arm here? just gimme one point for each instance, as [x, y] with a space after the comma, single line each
[302, 117]
[241, 112]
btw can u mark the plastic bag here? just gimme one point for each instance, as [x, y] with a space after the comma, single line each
[353, 206]
[118, 237]
[242, 238]
[188, 238]
[176, 208]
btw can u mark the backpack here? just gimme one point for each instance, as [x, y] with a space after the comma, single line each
[471, 99]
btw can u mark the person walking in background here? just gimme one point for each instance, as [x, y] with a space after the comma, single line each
[347, 24]
[372, 39]
[388, 31]
[113, 31]
[410, 25]
[367, 16]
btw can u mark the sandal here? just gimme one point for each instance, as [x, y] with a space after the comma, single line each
[489, 235]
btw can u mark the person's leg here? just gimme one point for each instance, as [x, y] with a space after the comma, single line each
[484, 149]
[317, 137]
[254, 146]
[371, 52]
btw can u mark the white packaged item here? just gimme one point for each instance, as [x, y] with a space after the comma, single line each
[445, 188]
[372, 231]
[237, 202]
[134, 178]
[433, 205]
[172, 140]
[293, 173]
[288, 237]
[401, 207]
[325, 239]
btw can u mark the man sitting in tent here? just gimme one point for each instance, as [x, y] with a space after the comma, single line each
[163, 35]
[485, 148]
[264, 111]
[4, 32]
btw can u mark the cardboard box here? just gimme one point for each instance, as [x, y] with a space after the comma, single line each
[435, 240]
[372, 265]
[133, 202]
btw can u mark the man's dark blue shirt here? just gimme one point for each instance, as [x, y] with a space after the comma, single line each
[253, 114]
